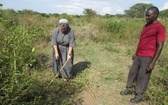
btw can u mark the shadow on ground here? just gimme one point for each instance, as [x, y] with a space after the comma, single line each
[64, 93]
[80, 66]
[43, 60]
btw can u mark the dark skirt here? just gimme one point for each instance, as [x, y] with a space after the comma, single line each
[66, 72]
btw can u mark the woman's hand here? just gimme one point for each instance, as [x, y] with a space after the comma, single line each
[56, 56]
[69, 56]
[56, 52]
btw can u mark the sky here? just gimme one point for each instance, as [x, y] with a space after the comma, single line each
[76, 7]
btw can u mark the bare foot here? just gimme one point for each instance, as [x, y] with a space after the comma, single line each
[65, 80]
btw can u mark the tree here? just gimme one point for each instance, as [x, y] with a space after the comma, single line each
[89, 13]
[1, 5]
[1, 8]
[28, 12]
[137, 10]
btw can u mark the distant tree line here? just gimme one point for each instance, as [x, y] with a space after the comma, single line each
[135, 11]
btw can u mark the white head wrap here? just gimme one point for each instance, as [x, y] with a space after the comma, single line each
[64, 21]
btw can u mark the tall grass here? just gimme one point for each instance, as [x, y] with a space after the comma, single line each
[157, 92]
[23, 38]
[17, 58]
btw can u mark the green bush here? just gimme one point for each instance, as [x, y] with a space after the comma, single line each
[114, 27]
[17, 58]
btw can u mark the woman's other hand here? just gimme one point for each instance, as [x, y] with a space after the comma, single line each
[69, 56]
[56, 56]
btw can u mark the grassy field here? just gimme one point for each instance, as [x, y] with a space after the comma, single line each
[100, 76]
[101, 65]
[101, 71]
[101, 68]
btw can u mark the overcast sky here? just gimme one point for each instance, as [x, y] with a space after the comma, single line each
[76, 7]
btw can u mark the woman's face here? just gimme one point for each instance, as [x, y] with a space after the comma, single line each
[63, 27]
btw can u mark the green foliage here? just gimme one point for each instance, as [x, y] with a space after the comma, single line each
[112, 29]
[137, 10]
[9, 13]
[1, 5]
[23, 33]
[28, 12]
[114, 26]
[157, 92]
[89, 13]
[64, 15]
[164, 13]
[13, 92]
[159, 81]
[17, 57]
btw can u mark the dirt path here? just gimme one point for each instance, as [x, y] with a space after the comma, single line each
[107, 74]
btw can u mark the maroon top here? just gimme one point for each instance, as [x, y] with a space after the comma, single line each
[150, 35]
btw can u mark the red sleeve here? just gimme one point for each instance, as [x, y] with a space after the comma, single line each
[161, 36]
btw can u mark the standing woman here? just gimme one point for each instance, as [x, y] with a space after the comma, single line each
[63, 41]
